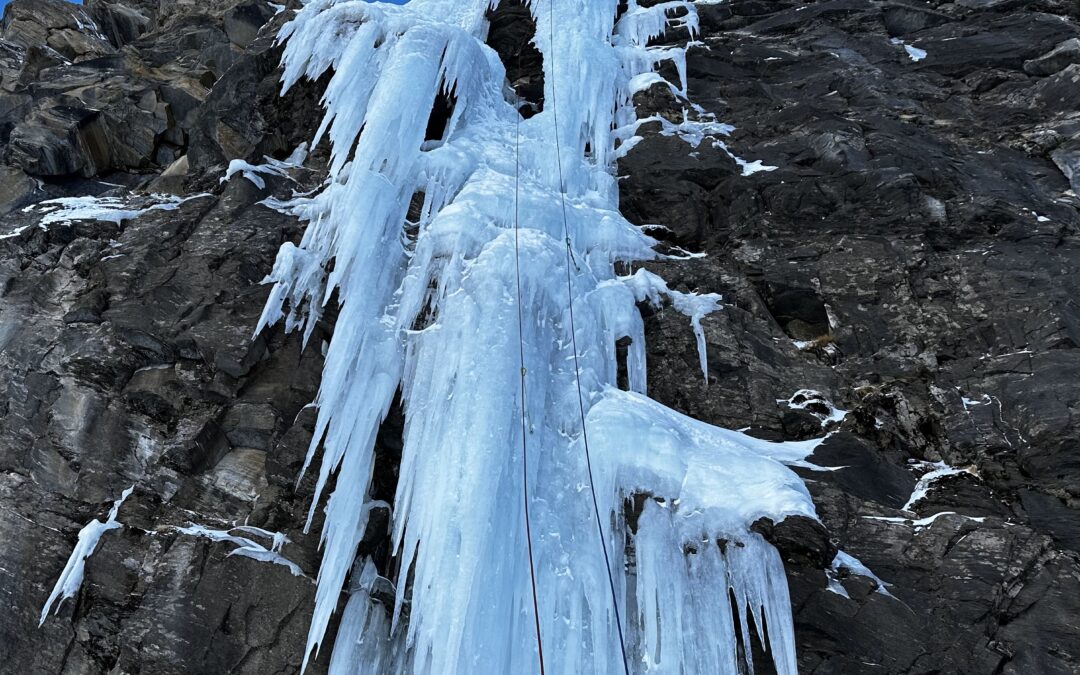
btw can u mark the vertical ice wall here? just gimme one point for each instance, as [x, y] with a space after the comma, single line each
[429, 307]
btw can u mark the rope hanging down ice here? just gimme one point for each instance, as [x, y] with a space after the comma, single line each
[521, 359]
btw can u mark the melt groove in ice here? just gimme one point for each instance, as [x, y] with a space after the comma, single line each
[428, 307]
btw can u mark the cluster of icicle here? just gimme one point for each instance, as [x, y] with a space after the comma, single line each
[428, 306]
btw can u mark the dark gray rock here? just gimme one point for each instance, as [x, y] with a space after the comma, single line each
[801, 541]
[120, 23]
[16, 189]
[61, 140]
[1061, 91]
[1067, 158]
[126, 357]
[1004, 42]
[56, 25]
[901, 19]
[1065, 54]
[510, 35]
[243, 22]
[227, 126]
[920, 236]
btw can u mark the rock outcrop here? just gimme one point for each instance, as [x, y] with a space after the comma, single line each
[904, 278]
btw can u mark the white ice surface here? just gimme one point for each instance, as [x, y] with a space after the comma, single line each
[914, 53]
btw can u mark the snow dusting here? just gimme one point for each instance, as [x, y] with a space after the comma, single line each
[921, 523]
[650, 287]
[815, 403]
[247, 547]
[914, 53]
[270, 167]
[935, 471]
[67, 210]
[844, 562]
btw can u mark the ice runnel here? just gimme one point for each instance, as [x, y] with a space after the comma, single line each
[72, 576]
[429, 309]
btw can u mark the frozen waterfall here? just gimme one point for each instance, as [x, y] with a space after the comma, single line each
[428, 309]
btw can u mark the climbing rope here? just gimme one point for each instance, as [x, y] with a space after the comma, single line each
[573, 343]
[521, 358]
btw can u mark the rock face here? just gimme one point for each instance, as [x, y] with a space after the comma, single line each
[912, 260]
[126, 350]
[913, 257]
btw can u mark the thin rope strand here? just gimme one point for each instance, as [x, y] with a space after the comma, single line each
[573, 341]
[521, 359]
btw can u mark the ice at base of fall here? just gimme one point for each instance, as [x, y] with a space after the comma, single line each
[429, 307]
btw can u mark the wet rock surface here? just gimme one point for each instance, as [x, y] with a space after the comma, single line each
[905, 278]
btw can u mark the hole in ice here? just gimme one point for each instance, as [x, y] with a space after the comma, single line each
[737, 619]
[376, 545]
[327, 312]
[384, 480]
[633, 508]
[416, 205]
[752, 657]
[412, 220]
[441, 113]
[622, 374]
[511, 33]
[668, 70]
[760, 658]
[388, 446]
[425, 318]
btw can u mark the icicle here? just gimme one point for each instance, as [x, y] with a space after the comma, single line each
[648, 286]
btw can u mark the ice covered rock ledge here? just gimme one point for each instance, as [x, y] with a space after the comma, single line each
[420, 233]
